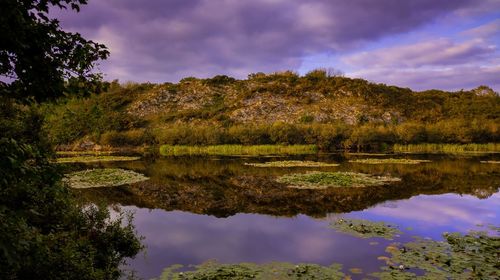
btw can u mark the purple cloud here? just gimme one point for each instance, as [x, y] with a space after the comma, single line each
[432, 52]
[159, 40]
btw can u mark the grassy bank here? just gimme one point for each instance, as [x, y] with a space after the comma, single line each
[237, 150]
[448, 148]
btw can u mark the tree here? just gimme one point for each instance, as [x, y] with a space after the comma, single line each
[45, 232]
[37, 56]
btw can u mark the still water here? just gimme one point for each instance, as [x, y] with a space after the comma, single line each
[195, 209]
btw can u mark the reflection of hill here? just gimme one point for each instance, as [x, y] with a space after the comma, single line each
[226, 187]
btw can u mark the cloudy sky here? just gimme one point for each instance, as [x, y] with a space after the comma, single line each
[422, 44]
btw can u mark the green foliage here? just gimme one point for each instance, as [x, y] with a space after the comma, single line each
[275, 270]
[45, 233]
[365, 228]
[38, 55]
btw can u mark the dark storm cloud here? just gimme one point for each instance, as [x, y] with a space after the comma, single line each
[159, 40]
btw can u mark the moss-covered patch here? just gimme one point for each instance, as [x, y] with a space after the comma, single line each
[472, 256]
[389, 161]
[365, 228]
[322, 180]
[275, 270]
[109, 177]
[95, 159]
[292, 163]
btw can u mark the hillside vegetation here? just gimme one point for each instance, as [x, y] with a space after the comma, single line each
[332, 112]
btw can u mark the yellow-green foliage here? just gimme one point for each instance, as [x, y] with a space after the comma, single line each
[447, 148]
[235, 150]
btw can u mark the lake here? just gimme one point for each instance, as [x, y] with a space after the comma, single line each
[195, 209]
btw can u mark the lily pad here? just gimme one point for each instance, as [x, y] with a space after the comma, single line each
[274, 270]
[389, 161]
[292, 163]
[95, 159]
[471, 256]
[491, 161]
[365, 229]
[323, 180]
[108, 177]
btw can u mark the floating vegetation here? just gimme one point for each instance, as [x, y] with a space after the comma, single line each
[472, 256]
[389, 161]
[100, 158]
[323, 180]
[274, 270]
[237, 150]
[356, 270]
[109, 177]
[447, 148]
[292, 163]
[491, 161]
[84, 153]
[365, 228]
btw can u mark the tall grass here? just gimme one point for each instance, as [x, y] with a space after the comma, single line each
[235, 150]
[447, 148]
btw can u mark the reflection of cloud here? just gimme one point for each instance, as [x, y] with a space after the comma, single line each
[314, 248]
[443, 210]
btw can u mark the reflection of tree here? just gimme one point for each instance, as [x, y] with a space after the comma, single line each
[224, 188]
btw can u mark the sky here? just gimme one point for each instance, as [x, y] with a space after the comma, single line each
[421, 44]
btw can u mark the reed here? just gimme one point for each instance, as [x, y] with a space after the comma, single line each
[237, 150]
[447, 148]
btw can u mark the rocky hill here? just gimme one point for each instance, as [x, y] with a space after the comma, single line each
[275, 108]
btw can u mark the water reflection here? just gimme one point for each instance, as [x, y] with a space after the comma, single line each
[178, 210]
[225, 187]
[180, 237]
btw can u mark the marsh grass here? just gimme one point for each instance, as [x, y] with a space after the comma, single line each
[109, 177]
[237, 150]
[94, 158]
[365, 229]
[292, 163]
[389, 161]
[323, 180]
[447, 148]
